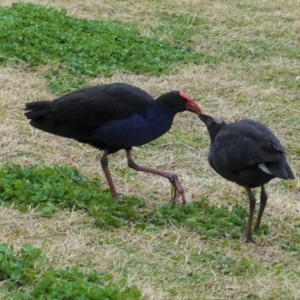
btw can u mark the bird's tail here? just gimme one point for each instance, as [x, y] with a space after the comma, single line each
[37, 110]
[280, 169]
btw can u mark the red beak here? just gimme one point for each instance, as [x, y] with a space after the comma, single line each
[193, 107]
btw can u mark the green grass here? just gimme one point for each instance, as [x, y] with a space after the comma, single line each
[83, 48]
[26, 278]
[51, 189]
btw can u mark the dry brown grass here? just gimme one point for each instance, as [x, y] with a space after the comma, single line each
[153, 260]
[233, 90]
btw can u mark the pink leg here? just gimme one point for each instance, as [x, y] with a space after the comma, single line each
[173, 178]
[104, 164]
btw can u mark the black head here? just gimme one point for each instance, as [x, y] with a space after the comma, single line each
[213, 125]
[178, 101]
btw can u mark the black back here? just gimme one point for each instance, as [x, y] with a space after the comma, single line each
[79, 113]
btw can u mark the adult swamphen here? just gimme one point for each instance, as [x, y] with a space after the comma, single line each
[249, 154]
[112, 117]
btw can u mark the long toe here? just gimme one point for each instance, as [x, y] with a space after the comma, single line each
[183, 198]
[174, 194]
[250, 239]
[177, 189]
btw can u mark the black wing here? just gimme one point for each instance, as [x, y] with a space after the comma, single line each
[245, 144]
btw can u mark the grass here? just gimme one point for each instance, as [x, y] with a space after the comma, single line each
[59, 201]
[83, 48]
[49, 190]
[21, 270]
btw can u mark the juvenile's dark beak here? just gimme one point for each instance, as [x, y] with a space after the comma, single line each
[205, 119]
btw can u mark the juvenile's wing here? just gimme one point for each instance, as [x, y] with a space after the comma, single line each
[247, 144]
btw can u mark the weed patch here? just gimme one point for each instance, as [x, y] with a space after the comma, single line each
[51, 189]
[83, 48]
[26, 281]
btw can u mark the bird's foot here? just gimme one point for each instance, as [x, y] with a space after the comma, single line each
[250, 239]
[174, 195]
[177, 189]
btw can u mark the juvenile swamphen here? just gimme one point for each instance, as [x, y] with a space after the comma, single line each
[249, 154]
[112, 117]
